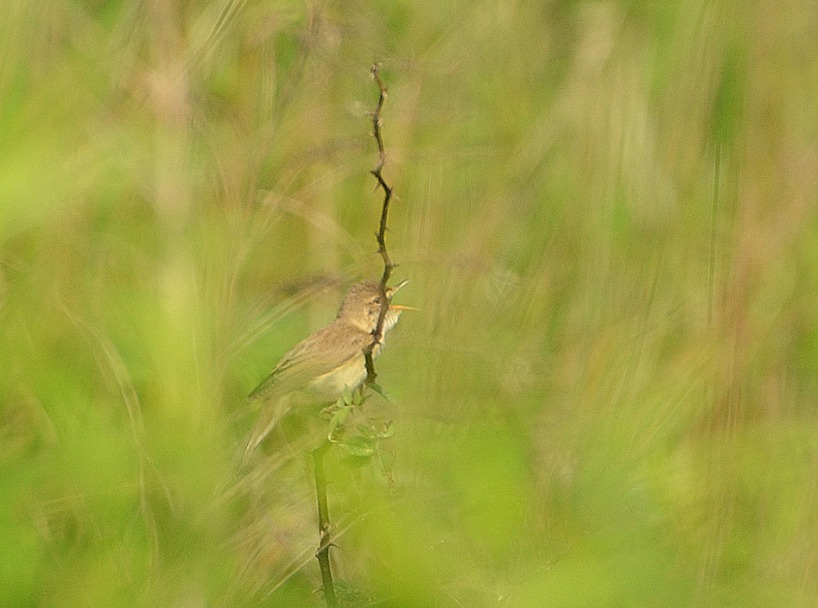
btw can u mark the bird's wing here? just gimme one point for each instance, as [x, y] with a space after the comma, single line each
[304, 362]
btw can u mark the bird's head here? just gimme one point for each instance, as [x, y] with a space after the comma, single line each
[362, 306]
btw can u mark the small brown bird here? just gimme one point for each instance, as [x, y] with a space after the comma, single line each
[319, 368]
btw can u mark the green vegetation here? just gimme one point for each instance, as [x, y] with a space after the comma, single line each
[607, 213]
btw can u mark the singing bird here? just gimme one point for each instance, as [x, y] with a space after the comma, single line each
[319, 368]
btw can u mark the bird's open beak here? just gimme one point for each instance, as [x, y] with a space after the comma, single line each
[393, 291]
[400, 307]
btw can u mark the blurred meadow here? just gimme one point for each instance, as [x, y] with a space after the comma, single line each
[607, 212]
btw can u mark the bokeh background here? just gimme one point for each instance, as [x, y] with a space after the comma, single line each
[607, 214]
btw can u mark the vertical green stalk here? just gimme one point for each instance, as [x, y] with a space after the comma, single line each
[324, 526]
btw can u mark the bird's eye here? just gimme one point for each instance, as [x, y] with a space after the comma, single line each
[377, 300]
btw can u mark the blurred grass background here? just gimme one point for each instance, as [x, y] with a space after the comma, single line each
[607, 212]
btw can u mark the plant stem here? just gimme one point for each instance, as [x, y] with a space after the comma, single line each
[324, 526]
[382, 226]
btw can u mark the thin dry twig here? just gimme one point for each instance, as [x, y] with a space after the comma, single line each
[388, 266]
[324, 524]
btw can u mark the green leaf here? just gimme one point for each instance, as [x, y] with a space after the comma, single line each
[358, 445]
[378, 389]
[347, 397]
[339, 417]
